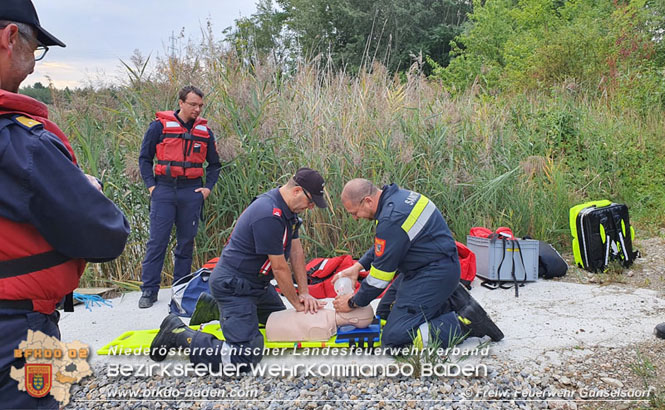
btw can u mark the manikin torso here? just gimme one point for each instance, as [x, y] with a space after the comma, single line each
[292, 326]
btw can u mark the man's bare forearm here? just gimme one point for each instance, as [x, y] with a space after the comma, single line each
[285, 283]
[298, 265]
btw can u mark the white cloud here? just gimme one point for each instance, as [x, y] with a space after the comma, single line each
[75, 73]
[98, 33]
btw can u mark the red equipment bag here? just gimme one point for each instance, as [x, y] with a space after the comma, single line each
[320, 272]
[467, 263]
[211, 263]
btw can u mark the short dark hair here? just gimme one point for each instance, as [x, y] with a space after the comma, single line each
[182, 94]
[24, 28]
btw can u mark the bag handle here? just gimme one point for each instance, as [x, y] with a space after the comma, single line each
[489, 284]
[516, 242]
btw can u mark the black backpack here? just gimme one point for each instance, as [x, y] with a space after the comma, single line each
[601, 233]
[550, 263]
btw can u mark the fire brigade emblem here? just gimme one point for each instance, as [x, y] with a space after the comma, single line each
[38, 379]
[379, 246]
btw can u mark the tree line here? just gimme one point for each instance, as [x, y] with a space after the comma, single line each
[612, 46]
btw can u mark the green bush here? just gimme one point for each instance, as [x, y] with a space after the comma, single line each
[38, 92]
[610, 49]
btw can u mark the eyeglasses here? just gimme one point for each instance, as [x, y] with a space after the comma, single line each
[309, 197]
[40, 52]
[194, 105]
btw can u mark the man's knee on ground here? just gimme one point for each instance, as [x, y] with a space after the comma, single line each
[248, 353]
[396, 336]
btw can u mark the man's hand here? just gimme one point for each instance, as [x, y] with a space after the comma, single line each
[351, 273]
[341, 303]
[204, 191]
[311, 304]
[152, 188]
[299, 307]
[94, 182]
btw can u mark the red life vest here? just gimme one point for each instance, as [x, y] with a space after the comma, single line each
[320, 272]
[31, 270]
[181, 153]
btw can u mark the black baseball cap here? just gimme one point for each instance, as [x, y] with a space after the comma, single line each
[313, 183]
[23, 11]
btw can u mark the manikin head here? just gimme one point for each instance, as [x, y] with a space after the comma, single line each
[360, 317]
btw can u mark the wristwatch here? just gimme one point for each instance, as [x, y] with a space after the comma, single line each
[352, 304]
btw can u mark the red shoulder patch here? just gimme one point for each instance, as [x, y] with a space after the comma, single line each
[277, 212]
[379, 247]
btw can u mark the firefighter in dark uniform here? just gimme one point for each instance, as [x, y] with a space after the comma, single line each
[182, 143]
[53, 217]
[264, 238]
[413, 238]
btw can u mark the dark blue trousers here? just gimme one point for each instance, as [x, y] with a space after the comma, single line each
[243, 304]
[169, 204]
[422, 297]
[15, 325]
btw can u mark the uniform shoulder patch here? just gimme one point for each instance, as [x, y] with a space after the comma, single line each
[277, 212]
[379, 246]
[26, 121]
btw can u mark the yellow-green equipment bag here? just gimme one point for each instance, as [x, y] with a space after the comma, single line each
[601, 233]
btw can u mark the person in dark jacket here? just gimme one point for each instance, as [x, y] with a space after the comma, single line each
[181, 142]
[53, 217]
[413, 238]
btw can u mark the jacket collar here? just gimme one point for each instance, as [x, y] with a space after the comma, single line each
[387, 191]
[22, 103]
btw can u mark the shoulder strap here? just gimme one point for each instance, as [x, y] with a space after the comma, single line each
[32, 263]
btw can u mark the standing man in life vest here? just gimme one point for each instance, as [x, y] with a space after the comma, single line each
[182, 143]
[412, 237]
[53, 217]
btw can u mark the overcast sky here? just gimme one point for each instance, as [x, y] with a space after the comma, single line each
[98, 33]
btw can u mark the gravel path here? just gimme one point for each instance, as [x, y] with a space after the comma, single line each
[586, 377]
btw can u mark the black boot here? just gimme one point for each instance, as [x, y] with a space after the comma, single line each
[206, 310]
[148, 298]
[172, 333]
[474, 321]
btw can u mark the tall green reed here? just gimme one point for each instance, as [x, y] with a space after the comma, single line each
[513, 160]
